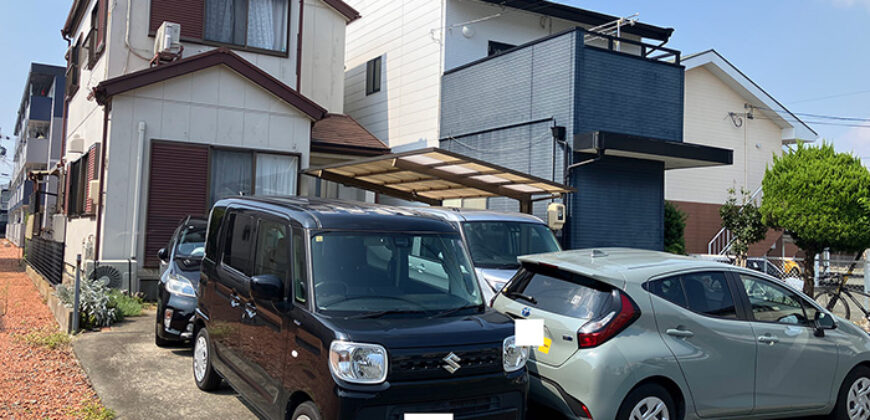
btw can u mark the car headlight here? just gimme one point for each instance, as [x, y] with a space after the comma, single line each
[179, 285]
[513, 357]
[358, 363]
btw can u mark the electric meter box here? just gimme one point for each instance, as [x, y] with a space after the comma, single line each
[556, 216]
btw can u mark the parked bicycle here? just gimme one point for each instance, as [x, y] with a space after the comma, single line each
[841, 299]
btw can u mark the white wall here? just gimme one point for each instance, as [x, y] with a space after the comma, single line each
[214, 106]
[323, 35]
[708, 100]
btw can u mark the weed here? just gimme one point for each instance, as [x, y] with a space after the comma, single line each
[46, 337]
[124, 304]
[93, 410]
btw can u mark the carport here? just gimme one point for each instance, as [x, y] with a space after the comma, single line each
[433, 175]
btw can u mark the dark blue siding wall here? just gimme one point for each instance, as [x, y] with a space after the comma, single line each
[625, 94]
[619, 202]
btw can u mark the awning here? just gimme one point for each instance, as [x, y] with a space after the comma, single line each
[433, 175]
[674, 154]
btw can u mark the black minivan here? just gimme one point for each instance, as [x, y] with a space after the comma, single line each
[317, 309]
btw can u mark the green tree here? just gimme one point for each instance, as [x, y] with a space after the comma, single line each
[675, 227]
[744, 222]
[819, 197]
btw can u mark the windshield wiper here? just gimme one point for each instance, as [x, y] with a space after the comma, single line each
[378, 314]
[454, 310]
[519, 295]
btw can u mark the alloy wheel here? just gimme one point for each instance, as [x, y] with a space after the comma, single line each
[858, 400]
[200, 358]
[303, 417]
[650, 408]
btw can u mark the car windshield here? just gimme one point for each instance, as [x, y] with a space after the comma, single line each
[191, 244]
[375, 273]
[498, 244]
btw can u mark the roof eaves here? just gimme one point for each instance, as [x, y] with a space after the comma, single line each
[345, 9]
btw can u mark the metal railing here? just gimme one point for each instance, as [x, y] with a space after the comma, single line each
[722, 241]
[615, 43]
[46, 257]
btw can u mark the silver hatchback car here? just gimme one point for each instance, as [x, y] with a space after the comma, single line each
[632, 334]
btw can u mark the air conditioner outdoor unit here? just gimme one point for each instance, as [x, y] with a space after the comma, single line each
[117, 274]
[76, 144]
[168, 38]
[94, 190]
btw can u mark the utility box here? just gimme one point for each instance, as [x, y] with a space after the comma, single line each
[556, 216]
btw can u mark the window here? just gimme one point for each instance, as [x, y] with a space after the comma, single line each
[705, 293]
[214, 224]
[94, 40]
[81, 172]
[72, 69]
[238, 240]
[373, 76]
[498, 47]
[561, 292]
[273, 252]
[498, 244]
[259, 24]
[299, 273]
[772, 303]
[236, 173]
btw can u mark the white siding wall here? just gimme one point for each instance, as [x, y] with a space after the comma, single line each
[406, 33]
[215, 106]
[708, 101]
[323, 37]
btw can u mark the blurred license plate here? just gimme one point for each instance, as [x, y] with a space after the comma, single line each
[546, 347]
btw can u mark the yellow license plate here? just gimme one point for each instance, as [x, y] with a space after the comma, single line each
[546, 347]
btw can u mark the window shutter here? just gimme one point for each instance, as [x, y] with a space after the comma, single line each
[66, 191]
[101, 23]
[90, 206]
[188, 13]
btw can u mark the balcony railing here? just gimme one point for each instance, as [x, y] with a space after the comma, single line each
[641, 49]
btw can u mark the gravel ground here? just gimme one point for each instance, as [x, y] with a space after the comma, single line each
[35, 381]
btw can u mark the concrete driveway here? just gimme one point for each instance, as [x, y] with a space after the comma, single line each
[139, 380]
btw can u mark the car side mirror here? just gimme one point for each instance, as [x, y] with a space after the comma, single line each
[163, 254]
[823, 321]
[267, 287]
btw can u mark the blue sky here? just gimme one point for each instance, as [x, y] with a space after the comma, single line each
[799, 51]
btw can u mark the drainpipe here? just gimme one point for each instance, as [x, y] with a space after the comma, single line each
[100, 205]
[137, 188]
[299, 48]
[598, 155]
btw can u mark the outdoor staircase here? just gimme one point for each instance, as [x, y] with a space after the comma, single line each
[724, 239]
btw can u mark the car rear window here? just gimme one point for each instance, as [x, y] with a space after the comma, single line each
[559, 292]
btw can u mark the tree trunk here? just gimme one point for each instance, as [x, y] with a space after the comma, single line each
[810, 272]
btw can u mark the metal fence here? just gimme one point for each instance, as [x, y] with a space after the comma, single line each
[46, 257]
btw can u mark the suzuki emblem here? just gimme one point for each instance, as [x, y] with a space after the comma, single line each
[451, 362]
[526, 311]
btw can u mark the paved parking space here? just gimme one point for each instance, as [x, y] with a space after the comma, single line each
[142, 381]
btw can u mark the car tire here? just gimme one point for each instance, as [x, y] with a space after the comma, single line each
[858, 379]
[644, 398]
[306, 411]
[203, 372]
[160, 342]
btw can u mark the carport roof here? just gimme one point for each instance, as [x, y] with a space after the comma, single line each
[674, 154]
[432, 175]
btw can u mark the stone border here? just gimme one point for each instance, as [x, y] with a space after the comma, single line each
[62, 314]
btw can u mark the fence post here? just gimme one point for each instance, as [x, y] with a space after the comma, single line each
[76, 314]
[866, 271]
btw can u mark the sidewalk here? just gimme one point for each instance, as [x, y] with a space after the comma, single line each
[35, 381]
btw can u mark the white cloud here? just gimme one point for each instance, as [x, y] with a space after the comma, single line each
[856, 141]
[851, 3]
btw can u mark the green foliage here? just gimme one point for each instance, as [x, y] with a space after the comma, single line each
[93, 410]
[95, 306]
[46, 337]
[743, 220]
[675, 226]
[821, 198]
[124, 304]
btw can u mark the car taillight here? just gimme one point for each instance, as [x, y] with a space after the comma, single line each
[597, 331]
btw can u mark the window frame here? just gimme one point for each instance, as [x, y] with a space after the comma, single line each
[730, 279]
[244, 47]
[372, 74]
[253, 153]
[501, 47]
[750, 315]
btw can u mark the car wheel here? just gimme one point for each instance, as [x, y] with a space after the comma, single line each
[836, 304]
[203, 373]
[648, 402]
[306, 411]
[853, 402]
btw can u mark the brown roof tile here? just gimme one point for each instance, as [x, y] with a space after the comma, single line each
[339, 133]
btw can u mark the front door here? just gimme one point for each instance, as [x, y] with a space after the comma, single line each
[698, 320]
[795, 369]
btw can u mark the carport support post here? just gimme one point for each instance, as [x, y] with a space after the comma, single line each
[76, 294]
[526, 206]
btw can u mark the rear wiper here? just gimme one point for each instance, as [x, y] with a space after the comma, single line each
[379, 314]
[454, 310]
[519, 295]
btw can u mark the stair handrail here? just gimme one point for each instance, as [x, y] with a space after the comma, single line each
[724, 238]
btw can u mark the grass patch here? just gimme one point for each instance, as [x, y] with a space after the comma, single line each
[48, 338]
[93, 410]
[125, 305]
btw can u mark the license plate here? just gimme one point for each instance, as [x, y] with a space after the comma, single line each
[428, 416]
[546, 347]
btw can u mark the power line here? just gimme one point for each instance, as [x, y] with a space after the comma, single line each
[840, 95]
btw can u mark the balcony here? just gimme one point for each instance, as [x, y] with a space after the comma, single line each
[32, 154]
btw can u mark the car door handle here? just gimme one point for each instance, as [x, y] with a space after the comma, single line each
[679, 332]
[250, 311]
[235, 302]
[297, 322]
[421, 268]
[768, 339]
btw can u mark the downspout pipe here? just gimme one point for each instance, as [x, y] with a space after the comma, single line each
[100, 205]
[137, 189]
[599, 153]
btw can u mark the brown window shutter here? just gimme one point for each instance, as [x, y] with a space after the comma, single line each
[66, 191]
[177, 187]
[90, 206]
[101, 23]
[188, 13]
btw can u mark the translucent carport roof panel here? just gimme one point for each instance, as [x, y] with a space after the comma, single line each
[433, 175]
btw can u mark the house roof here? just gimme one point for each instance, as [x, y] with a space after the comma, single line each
[793, 128]
[77, 11]
[339, 133]
[584, 16]
[220, 56]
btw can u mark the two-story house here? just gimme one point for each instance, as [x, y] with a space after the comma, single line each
[37, 148]
[151, 138]
[558, 92]
[725, 108]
